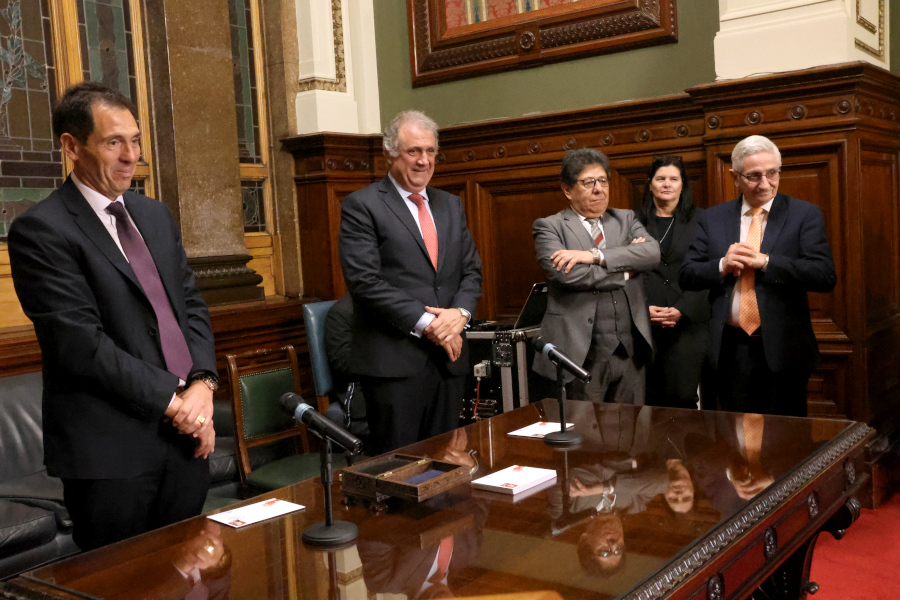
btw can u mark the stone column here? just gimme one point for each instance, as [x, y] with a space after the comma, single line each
[766, 36]
[194, 128]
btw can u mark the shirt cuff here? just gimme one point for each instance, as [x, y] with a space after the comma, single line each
[721, 268]
[180, 384]
[423, 322]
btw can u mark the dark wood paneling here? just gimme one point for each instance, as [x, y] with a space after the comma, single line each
[838, 129]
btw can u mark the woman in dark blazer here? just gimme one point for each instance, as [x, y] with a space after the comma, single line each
[679, 319]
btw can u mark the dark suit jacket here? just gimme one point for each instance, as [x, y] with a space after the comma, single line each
[799, 262]
[391, 278]
[105, 382]
[572, 297]
[661, 283]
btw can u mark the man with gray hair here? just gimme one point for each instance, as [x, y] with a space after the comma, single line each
[414, 274]
[759, 255]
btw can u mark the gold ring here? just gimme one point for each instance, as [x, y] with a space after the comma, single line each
[211, 549]
[201, 419]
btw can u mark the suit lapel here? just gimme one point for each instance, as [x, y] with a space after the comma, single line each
[397, 205]
[774, 223]
[441, 210]
[733, 226]
[573, 222]
[612, 232]
[87, 221]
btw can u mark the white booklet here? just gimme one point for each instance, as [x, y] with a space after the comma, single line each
[514, 479]
[539, 429]
[254, 513]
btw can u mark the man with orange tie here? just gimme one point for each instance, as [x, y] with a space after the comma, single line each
[411, 266]
[759, 255]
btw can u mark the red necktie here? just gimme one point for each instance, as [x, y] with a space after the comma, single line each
[443, 560]
[429, 233]
[174, 348]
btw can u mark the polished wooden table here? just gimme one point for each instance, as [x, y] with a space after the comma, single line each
[704, 505]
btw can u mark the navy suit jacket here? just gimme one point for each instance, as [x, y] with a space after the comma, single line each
[106, 386]
[391, 278]
[799, 262]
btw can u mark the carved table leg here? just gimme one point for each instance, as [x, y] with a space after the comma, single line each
[791, 580]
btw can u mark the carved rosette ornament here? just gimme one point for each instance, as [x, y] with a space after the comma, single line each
[770, 543]
[813, 504]
[754, 117]
[526, 41]
[500, 152]
[607, 140]
[643, 136]
[440, 159]
[682, 130]
[798, 112]
[849, 474]
[469, 156]
[713, 122]
[534, 148]
[570, 143]
[843, 107]
[715, 588]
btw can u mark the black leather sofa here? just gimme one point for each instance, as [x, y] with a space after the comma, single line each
[34, 525]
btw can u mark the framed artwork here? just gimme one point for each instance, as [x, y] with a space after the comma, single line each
[454, 39]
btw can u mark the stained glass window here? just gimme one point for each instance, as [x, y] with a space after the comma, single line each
[106, 44]
[244, 61]
[254, 206]
[30, 161]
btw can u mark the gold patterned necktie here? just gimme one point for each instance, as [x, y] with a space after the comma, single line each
[749, 313]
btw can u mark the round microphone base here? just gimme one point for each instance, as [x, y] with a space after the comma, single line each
[340, 533]
[564, 439]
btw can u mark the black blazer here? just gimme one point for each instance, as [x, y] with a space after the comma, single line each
[105, 382]
[391, 278]
[661, 284]
[799, 262]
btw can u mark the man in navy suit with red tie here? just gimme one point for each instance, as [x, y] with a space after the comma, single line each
[759, 255]
[129, 366]
[415, 277]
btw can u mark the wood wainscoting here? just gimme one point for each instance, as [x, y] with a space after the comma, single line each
[838, 129]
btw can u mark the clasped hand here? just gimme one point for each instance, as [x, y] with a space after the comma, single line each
[445, 330]
[742, 256]
[664, 316]
[185, 411]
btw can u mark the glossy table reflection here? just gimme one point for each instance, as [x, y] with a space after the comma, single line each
[706, 505]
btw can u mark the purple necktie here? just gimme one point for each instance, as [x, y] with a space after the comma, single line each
[174, 348]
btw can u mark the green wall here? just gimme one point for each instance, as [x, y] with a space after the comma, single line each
[633, 74]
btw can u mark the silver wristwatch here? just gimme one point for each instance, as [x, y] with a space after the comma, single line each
[598, 256]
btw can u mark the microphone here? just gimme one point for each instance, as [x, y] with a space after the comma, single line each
[302, 412]
[560, 359]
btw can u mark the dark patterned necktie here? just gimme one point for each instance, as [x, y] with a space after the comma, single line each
[171, 338]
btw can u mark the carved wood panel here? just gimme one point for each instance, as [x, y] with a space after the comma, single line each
[880, 253]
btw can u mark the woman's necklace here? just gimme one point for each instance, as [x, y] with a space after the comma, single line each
[667, 230]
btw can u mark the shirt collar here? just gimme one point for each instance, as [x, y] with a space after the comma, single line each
[405, 194]
[745, 207]
[98, 201]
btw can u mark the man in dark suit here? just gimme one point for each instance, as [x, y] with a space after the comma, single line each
[128, 361]
[415, 277]
[758, 256]
[596, 307]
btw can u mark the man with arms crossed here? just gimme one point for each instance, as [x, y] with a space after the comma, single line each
[411, 266]
[596, 308]
[128, 361]
[758, 256]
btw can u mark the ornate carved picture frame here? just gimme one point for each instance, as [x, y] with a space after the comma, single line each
[477, 39]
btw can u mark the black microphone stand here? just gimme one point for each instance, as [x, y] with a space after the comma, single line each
[331, 533]
[562, 438]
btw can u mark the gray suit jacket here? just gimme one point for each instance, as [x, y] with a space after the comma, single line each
[573, 296]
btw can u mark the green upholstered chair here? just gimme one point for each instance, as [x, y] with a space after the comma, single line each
[263, 432]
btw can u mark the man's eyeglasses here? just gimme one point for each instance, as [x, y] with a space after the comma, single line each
[772, 175]
[607, 552]
[419, 152]
[590, 182]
